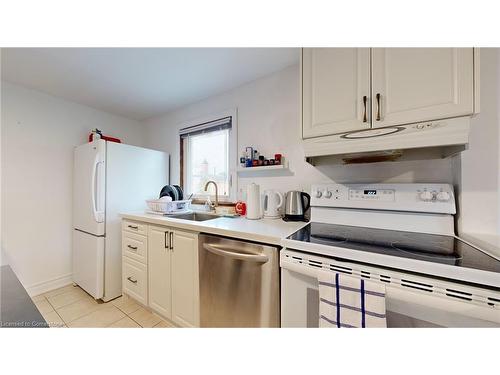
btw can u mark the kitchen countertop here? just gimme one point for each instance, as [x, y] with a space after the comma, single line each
[16, 307]
[267, 231]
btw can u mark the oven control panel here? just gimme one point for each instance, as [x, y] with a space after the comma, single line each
[373, 194]
[432, 198]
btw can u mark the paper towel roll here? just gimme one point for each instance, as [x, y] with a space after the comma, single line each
[253, 201]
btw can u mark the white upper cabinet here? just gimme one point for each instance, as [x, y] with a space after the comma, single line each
[335, 90]
[349, 89]
[420, 84]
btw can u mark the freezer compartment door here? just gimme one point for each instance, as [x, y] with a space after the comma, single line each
[89, 187]
[88, 263]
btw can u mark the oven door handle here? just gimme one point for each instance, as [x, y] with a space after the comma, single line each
[240, 254]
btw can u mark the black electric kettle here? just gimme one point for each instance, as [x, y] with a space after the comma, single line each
[296, 205]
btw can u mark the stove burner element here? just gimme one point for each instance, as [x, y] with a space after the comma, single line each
[452, 258]
[329, 237]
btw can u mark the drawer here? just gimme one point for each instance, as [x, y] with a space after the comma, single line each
[135, 280]
[135, 246]
[135, 227]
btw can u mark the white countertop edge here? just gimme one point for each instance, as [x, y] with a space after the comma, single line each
[239, 228]
[480, 277]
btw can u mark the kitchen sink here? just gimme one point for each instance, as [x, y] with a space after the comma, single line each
[195, 216]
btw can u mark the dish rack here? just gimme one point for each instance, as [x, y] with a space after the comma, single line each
[159, 206]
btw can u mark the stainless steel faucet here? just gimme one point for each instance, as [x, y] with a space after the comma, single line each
[216, 191]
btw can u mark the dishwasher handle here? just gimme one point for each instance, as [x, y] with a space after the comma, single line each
[242, 255]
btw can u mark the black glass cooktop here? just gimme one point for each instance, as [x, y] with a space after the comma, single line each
[425, 247]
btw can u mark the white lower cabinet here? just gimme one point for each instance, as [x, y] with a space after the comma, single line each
[135, 280]
[185, 284]
[159, 266]
[167, 279]
[173, 275]
[135, 247]
[134, 261]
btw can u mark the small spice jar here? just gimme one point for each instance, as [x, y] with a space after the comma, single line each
[277, 159]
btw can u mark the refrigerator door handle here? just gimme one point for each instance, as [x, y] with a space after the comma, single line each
[98, 214]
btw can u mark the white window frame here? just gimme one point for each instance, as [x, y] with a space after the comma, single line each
[232, 157]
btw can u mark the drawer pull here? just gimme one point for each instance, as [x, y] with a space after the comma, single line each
[378, 107]
[365, 118]
[132, 247]
[133, 227]
[131, 280]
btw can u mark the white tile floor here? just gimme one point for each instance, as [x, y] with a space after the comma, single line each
[70, 306]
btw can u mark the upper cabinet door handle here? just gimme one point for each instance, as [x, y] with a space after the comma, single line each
[365, 118]
[378, 107]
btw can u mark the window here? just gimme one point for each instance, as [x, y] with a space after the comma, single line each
[208, 154]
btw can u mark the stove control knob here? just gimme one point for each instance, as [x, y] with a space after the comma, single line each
[318, 194]
[443, 196]
[426, 196]
[328, 194]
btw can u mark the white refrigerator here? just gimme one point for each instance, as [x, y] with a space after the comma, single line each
[109, 178]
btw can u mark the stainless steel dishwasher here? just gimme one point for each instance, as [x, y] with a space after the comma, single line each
[239, 283]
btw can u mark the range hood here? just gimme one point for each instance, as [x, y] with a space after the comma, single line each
[420, 141]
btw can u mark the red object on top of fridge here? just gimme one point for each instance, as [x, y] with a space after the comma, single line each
[104, 137]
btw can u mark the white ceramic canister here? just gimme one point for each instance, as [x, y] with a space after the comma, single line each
[253, 202]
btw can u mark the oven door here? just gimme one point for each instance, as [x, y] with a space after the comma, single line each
[405, 307]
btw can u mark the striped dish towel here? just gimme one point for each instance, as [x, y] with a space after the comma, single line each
[349, 302]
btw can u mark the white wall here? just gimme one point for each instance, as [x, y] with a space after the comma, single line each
[39, 132]
[268, 119]
[477, 170]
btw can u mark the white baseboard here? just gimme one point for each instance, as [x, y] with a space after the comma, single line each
[47, 286]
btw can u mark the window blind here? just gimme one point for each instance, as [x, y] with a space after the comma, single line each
[206, 127]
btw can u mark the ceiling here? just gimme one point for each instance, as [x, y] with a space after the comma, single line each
[140, 83]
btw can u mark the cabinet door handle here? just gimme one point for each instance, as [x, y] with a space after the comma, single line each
[167, 246]
[131, 280]
[365, 118]
[171, 241]
[378, 107]
[133, 227]
[132, 247]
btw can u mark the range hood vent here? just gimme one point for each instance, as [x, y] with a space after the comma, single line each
[420, 141]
